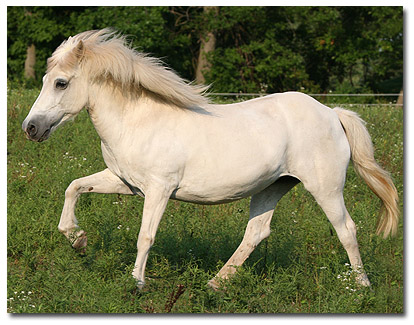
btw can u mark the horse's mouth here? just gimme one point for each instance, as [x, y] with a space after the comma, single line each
[44, 136]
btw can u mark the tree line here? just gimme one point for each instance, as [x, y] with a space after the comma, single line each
[236, 49]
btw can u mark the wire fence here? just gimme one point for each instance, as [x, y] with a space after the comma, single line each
[396, 98]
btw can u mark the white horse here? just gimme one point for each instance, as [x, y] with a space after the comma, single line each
[162, 139]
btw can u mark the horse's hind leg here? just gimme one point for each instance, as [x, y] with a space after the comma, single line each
[262, 206]
[102, 182]
[333, 205]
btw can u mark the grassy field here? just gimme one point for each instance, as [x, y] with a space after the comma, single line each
[300, 268]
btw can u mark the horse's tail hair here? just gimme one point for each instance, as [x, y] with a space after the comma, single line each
[379, 180]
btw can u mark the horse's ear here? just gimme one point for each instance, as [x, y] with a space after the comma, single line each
[79, 51]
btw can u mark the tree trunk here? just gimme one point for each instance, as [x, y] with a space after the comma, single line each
[29, 64]
[207, 45]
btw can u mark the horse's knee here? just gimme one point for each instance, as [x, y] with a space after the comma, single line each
[72, 189]
[256, 231]
[350, 224]
[265, 232]
[145, 241]
[262, 234]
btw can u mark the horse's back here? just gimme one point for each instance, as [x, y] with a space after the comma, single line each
[296, 118]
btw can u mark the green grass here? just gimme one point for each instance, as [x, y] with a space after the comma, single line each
[300, 268]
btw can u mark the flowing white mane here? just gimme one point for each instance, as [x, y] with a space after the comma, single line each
[106, 54]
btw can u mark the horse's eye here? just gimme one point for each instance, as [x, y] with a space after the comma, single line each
[61, 84]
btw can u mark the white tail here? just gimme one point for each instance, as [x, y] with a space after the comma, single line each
[379, 180]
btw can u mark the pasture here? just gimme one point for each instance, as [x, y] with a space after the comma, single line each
[300, 268]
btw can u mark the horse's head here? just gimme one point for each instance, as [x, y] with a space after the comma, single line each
[63, 95]
[97, 58]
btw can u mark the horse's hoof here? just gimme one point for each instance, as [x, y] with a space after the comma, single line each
[140, 284]
[80, 241]
[362, 279]
[213, 284]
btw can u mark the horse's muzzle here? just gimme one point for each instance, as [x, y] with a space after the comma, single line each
[36, 130]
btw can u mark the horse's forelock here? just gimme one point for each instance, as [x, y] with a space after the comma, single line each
[69, 53]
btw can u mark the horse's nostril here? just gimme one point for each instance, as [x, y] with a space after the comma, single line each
[31, 129]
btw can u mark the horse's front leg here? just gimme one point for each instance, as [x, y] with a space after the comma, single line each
[102, 182]
[154, 205]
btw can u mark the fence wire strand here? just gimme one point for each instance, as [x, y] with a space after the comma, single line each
[239, 95]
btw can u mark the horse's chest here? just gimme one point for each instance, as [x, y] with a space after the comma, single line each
[120, 166]
[140, 168]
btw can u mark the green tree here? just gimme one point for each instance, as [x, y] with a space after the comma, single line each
[26, 26]
[254, 45]
[267, 49]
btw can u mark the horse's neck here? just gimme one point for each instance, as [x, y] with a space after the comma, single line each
[113, 115]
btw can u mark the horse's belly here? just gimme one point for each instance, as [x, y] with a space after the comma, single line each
[222, 172]
[218, 188]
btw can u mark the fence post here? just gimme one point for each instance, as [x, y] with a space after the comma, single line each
[400, 100]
